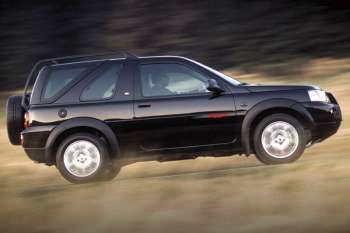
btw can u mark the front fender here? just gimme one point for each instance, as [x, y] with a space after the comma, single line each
[93, 123]
[267, 105]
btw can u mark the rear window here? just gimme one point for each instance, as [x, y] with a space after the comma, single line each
[61, 76]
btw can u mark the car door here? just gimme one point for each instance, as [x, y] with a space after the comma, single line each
[174, 110]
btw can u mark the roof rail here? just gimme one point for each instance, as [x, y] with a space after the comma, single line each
[66, 59]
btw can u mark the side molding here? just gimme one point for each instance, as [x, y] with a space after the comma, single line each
[265, 106]
[76, 123]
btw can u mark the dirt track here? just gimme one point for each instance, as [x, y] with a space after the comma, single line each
[232, 194]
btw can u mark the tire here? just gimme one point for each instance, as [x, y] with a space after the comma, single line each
[279, 138]
[84, 158]
[14, 119]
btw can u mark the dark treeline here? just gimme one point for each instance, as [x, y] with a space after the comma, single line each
[223, 34]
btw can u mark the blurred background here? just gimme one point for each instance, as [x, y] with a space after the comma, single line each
[224, 34]
[258, 41]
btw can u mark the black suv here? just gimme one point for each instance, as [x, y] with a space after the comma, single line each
[87, 114]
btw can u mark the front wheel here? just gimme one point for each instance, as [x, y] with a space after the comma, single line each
[84, 158]
[279, 138]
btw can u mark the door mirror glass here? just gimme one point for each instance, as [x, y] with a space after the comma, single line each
[214, 87]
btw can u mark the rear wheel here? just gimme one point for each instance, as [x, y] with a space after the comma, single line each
[14, 119]
[279, 138]
[84, 158]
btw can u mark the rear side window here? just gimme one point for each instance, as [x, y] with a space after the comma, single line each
[60, 77]
[104, 85]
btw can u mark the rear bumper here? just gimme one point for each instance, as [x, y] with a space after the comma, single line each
[34, 142]
[36, 154]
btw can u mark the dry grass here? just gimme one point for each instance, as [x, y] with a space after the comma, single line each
[232, 194]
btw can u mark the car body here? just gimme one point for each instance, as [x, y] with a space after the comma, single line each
[140, 119]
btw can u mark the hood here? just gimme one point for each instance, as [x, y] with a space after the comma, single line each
[259, 88]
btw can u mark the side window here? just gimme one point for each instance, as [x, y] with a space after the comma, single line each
[171, 79]
[103, 86]
[60, 77]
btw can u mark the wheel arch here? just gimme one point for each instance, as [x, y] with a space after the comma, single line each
[268, 107]
[81, 124]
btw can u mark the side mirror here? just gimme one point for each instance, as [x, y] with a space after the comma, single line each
[214, 87]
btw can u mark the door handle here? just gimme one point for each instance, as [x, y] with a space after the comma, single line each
[144, 105]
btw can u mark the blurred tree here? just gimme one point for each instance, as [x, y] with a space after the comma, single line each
[221, 33]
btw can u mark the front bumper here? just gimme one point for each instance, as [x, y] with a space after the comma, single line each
[327, 119]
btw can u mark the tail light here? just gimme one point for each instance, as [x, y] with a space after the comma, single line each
[22, 139]
[26, 120]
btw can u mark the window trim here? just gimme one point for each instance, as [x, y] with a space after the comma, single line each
[140, 92]
[64, 90]
[96, 76]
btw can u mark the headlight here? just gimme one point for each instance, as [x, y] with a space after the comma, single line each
[318, 95]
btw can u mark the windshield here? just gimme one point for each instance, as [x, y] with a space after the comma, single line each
[227, 78]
